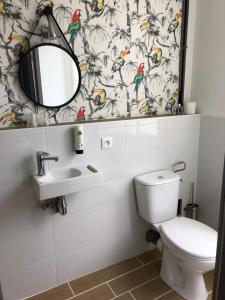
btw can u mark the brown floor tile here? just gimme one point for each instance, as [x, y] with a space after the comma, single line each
[102, 292]
[149, 256]
[210, 296]
[150, 290]
[135, 278]
[171, 296]
[61, 292]
[84, 283]
[209, 281]
[124, 297]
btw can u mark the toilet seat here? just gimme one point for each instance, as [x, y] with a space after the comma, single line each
[190, 238]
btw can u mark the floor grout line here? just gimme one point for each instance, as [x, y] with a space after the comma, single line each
[71, 289]
[120, 295]
[140, 261]
[143, 283]
[168, 292]
[137, 268]
[111, 289]
[94, 287]
[130, 291]
[132, 296]
[108, 282]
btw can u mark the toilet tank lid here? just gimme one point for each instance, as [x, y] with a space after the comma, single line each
[157, 178]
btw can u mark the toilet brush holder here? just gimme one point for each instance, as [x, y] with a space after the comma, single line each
[192, 211]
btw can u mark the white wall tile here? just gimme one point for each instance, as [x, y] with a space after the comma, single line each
[81, 262]
[19, 207]
[29, 281]
[85, 228]
[17, 154]
[26, 245]
[60, 142]
[161, 142]
[22, 132]
[105, 195]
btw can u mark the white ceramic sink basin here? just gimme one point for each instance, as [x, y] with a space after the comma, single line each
[64, 181]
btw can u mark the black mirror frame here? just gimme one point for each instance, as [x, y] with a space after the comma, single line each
[183, 50]
[74, 58]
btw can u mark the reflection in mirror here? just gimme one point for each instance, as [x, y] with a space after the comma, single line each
[49, 75]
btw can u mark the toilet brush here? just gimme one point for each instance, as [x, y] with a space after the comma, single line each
[192, 208]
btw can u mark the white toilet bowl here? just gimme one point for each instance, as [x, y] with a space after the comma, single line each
[188, 246]
[189, 250]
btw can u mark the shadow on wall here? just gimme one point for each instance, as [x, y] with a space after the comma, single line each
[1, 294]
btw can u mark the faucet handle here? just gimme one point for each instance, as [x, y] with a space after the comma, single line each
[41, 154]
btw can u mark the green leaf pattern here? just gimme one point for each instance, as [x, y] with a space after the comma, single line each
[128, 52]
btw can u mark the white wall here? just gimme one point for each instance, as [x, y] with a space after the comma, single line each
[39, 249]
[210, 168]
[209, 58]
[190, 50]
[207, 88]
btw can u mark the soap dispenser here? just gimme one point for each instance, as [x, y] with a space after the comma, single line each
[79, 139]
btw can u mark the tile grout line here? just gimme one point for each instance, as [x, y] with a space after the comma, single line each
[37, 294]
[114, 278]
[54, 247]
[143, 283]
[137, 268]
[108, 282]
[132, 296]
[121, 295]
[168, 292]
[141, 262]
[79, 294]
[111, 289]
[71, 288]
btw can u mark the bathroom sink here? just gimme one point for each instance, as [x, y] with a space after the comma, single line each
[60, 174]
[64, 181]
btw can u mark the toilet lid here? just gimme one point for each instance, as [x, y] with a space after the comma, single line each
[190, 237]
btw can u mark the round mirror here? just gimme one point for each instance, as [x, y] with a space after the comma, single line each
[49, 75]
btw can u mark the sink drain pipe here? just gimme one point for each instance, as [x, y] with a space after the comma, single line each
[61, 205]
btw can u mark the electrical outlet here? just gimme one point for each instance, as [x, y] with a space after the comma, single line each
[107, 143]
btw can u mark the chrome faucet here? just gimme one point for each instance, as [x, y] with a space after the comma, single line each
[41, 157]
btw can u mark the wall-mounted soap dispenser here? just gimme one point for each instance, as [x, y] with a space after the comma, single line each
[78, 139]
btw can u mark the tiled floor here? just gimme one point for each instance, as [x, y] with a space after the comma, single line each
[134, 279]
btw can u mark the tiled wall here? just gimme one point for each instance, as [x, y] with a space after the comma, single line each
[41, 249]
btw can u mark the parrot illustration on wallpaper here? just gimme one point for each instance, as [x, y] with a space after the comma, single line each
[74, 26]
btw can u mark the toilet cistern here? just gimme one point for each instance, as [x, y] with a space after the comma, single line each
[41, 158]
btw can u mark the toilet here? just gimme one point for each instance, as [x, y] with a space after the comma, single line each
[188, 246]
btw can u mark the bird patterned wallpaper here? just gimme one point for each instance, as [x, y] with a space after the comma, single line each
[128, 51]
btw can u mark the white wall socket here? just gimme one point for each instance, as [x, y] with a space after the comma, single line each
[107, 142]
